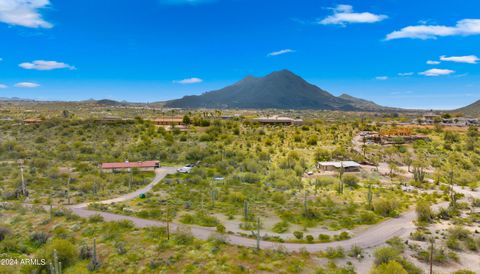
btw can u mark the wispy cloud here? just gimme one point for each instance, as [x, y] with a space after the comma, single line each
[463, 27]
[344, 14]
[382, 78]
[469, 59]
[188, 81]
[281, 52]
[432, 62]
[26, 85]
[405, 74]
[437, 72]
[25, 13]
[2, 86]
[45, 65]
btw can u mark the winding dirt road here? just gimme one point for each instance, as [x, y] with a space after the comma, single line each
[371, 237]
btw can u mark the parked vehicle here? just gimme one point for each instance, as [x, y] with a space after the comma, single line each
[186, 169]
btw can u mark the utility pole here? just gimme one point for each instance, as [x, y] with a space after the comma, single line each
[130, 181]
[168, 224]
[305, 204]
[258, 233]
[68, 190]
[24, 186]
[432, 240]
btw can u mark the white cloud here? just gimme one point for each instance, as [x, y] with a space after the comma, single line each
[404, 74]
[437, 72]
[24, 13]
[189, 81]
[3, 86]
[281, 52]
[26, 85]
[469, 59]
[382, 78]
[431, 62]
[45, 65]
[343, 14]
[463, 27]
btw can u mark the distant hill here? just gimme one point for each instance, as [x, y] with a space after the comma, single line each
[364, 104]
[105, 102]
[281, 90]
[470, 110]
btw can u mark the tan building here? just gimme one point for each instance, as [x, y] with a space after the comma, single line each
[276, 120]
[127, 166]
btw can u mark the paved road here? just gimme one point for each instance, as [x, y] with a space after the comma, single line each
[160, 173]
[371, 237]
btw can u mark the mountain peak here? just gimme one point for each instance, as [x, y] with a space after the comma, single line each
[282, 73]
[280, 89]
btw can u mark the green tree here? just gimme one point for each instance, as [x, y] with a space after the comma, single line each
[391, 267]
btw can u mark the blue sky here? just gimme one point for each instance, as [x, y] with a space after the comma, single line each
[154, 50]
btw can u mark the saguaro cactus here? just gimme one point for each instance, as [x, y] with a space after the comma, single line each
[245, 210]
[55, 266]
[369, 196]
[94, 263]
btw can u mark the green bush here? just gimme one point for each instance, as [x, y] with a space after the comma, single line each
[4, 231]
[334, 253]
[424, 212]
[309, 238]
[324, 238]
[66, 252]
[97, 218]
[384, 255]
[298, 234]
[392, 267]
[386, 207]
[280, 227]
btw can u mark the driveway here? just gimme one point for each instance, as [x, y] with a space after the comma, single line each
[160, 173]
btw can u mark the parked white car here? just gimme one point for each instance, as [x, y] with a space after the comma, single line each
[186, 169]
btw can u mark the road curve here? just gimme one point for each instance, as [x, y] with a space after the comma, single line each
[371, 237]
[160, 173]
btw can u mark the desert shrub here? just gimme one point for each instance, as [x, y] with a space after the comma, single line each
[120, 248]
[97, 218]
[280, 227]
[39, 238]
[350, 180]
[66, 251]
[334, 253]
[221, 228]
[367, 217]
[355, 252]
[298, 234]
[4, 232]
[392, 267]
[342, 236]
[386, 207]
[386, 254]
[424, 212]
[324, 238]
[397, 243]
[279, 198]
[309, 238]
[418, 235]
[183, 236]
[201, 219]
[463, 271]
[85, 252]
